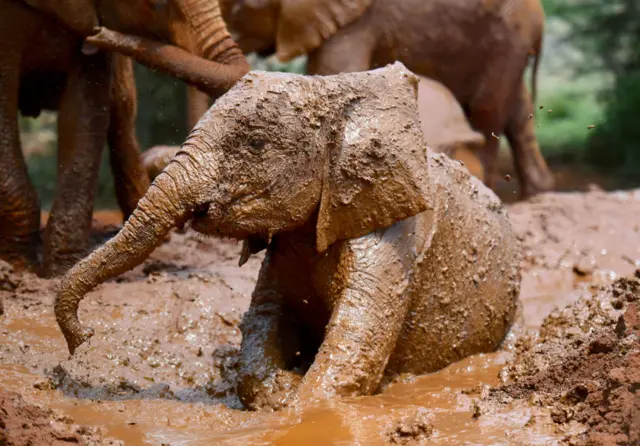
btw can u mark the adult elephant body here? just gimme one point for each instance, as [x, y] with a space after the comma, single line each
[45, 63]
[478, 49]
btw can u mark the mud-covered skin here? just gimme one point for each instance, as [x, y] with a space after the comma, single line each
[479, 49]
[190, 295]
[124, 152]
[412, 298]
[345, 254]
[45, 65]
[155, 159]
[198, 103]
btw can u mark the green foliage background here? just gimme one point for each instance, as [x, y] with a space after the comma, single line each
[608, 35]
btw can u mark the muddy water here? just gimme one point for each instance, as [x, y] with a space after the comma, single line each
[160, 368]
[369, 420]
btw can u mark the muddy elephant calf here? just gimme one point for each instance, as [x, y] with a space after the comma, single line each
[382, 257]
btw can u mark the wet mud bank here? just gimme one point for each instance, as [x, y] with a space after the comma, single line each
[161, 367]
[582, 370]
[26, 424]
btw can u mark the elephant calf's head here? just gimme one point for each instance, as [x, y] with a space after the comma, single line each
[279, 147]
[270, 154]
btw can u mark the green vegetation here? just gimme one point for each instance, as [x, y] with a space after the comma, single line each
[564, 113]
[608, 35]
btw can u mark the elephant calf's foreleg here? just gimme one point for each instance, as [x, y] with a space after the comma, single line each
[367, 317]
[269, 343]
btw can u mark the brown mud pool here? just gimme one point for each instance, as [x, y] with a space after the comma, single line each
[161, 368]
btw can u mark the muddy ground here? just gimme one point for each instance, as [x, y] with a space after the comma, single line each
[160, 369]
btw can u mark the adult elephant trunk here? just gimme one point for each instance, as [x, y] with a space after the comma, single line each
[213, 42]
[211, 77]
[169, 201]
[197, 105]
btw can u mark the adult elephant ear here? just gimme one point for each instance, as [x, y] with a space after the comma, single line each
[303, 25]
[375, 175]
[78, 15]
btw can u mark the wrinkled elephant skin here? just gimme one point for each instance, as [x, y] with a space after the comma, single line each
[382, 257]
[155, 159]
[479, 49]
[46, 63]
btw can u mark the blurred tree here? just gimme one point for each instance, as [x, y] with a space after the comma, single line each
[609, 32]
[161, 108]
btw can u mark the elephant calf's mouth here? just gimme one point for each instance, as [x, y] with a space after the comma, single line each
[201, 211]
[199, 217]
[210, 221]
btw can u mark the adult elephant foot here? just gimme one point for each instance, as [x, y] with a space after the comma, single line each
[537, 183]
[56, 266]
[23, 256]
[20, 237]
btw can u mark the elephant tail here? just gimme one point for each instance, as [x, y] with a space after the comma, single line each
[537, 54]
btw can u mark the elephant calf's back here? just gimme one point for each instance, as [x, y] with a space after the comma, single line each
[465, 289]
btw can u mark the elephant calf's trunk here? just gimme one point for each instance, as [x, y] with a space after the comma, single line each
[161, 209]
[211, 77]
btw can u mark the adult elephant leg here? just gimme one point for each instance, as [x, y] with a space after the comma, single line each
[197, 105]
[130, 179]
[486, 120]
[533, 172]
[83, 118]
[19, 209]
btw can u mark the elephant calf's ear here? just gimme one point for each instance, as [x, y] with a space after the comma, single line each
[374, 174]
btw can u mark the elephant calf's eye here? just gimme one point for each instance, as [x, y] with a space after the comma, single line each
[256, 144]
